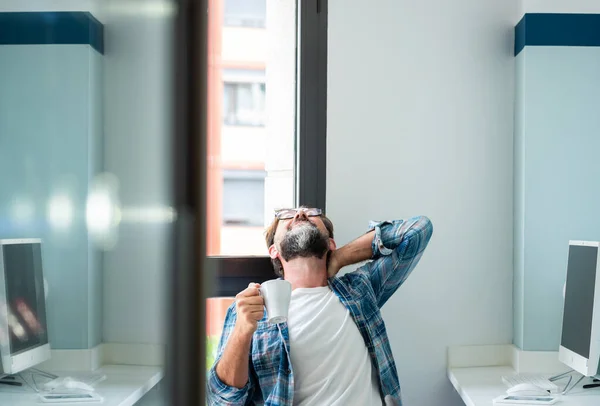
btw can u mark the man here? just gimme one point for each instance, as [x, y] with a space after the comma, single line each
[334, 348]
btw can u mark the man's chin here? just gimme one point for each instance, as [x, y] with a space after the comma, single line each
[303, 241]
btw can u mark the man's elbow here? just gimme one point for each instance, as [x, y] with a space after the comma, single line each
[219, 393]
[426, 229]
[419, 235]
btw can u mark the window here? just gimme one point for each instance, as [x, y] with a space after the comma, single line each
[245, 13]
[244, 104]
[266, 119]
[266, 127]
[243, 198]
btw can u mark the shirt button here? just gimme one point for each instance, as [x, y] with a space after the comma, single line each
[288, 371]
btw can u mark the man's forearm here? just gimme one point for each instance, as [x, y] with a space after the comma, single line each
[232, 368]
[352, 253]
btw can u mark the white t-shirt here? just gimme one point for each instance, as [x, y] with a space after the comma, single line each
[330, 360]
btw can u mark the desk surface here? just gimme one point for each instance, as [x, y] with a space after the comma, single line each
[479, 386]
[124, 386]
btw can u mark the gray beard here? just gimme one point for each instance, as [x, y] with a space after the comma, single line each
[304, 241]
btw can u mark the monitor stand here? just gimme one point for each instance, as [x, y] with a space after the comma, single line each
[596, 384]
[10, 380]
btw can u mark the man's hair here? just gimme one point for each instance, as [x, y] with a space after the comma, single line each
[270, 239]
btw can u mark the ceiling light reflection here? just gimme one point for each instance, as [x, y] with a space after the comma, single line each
[60, 212]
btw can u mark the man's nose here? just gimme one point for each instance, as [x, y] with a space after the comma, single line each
[300, 216]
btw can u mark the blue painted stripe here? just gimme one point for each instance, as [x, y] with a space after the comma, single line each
[62, 27]
[575, 30]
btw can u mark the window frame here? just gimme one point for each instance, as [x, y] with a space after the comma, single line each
[185, 378]
[311, 146]
[312, 100]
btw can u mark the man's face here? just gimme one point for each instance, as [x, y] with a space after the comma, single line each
[302, 236]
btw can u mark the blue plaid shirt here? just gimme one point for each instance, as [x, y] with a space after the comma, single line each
[397, 248]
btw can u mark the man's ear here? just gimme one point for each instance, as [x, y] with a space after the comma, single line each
[273, 253]
[332, 245]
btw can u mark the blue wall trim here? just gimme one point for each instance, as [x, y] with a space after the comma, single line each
[62, 27]
[577, 30]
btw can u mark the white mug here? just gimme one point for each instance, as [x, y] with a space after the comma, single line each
[277, 294]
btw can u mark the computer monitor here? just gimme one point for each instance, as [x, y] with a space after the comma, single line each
[580, 341]
[23, 327]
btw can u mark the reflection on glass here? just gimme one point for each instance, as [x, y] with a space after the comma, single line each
[25, 301]
[22, 211]
[30, 319]
[60, 212]
[16, 328]
[102, 212]
[86, 133]
[3, 322]
[150, 215]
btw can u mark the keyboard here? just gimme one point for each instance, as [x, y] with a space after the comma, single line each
[541, 381]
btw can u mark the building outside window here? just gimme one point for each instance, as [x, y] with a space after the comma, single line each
[253, 120]
[245, 13]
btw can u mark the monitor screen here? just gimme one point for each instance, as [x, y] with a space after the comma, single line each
[579, 299]
[24, 282]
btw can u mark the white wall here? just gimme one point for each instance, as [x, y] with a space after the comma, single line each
[137, 128]
[421, 108]
[560, 6]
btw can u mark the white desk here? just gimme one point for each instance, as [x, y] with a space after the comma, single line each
[124, 386]
[480, 385]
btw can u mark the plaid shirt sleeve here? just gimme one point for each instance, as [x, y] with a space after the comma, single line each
[397, 248]
[218, 393]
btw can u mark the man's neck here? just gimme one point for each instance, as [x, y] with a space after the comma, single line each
[306, 272]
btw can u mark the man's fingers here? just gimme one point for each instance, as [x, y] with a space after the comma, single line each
[258, 315]
[248, 292]
[251, 290]
[253, 312]
[249, 304]
[255, 308]
[252, 300]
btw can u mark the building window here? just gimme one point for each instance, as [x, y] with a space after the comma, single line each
[245, 13]
[244, 104]
[244, 198]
